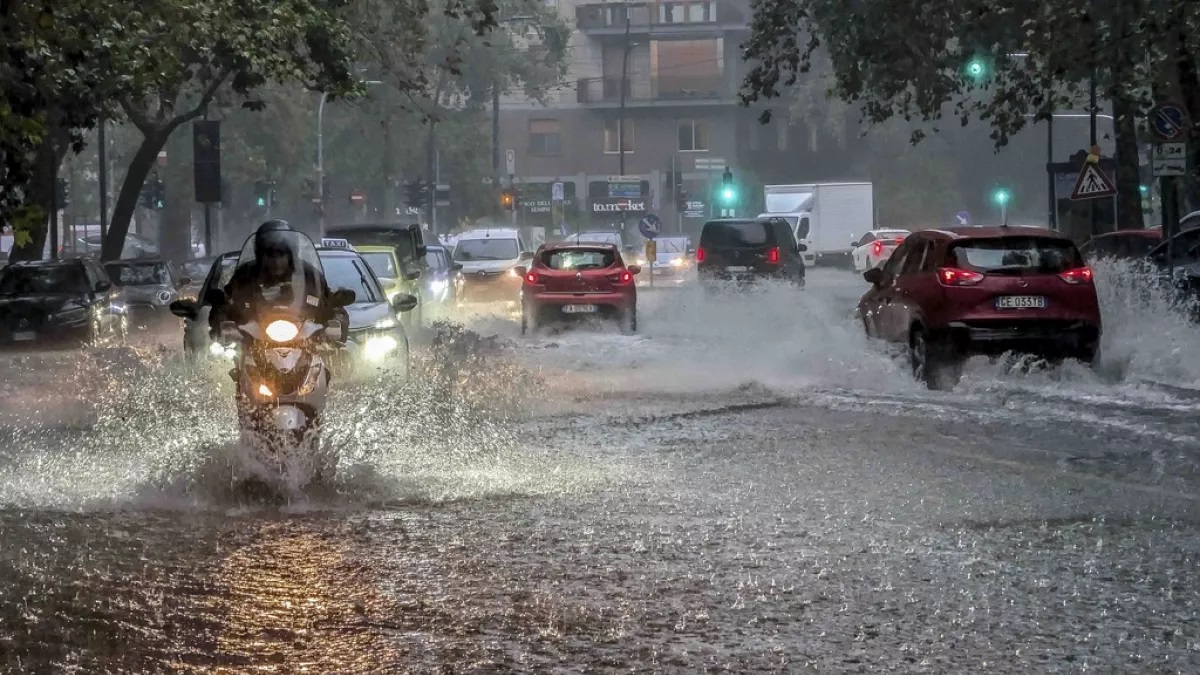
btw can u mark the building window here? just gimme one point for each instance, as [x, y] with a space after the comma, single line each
[544, 138]
[611, 133]
[693, 136]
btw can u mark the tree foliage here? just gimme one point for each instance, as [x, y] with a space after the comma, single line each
[893, 60]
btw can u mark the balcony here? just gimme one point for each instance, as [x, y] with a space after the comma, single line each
[656, 90]
[691, 18]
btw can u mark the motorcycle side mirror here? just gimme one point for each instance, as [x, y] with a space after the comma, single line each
[457, 267]
[214, 297]
[874, 276]
[184, 309]
[404, 302]
[413, 275]
[333, 330]
[103, 286]
[421, 251]
[229, 331]
[343, 297]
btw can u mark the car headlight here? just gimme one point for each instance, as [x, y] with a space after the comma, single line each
[219, 350]
[379, 346]
[513, 272]
[677, 262]
[437, 285]
[282, 331]
[385, 324]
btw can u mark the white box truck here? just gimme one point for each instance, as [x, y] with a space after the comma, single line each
[827, 217]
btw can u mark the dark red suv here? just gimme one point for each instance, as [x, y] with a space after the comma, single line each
[950, 294]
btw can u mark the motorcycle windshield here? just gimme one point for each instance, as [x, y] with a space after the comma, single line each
[279, 276]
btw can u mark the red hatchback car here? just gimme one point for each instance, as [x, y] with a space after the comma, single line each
[578, 280]
[949, 294]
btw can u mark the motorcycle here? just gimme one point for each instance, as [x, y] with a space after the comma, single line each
[281, 372]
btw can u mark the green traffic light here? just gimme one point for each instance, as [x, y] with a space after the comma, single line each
[727, 194]
[976, 68]
[1001, 197]
[262, 201]
[1144, 189]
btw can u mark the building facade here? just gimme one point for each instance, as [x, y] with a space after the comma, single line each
[678, 65]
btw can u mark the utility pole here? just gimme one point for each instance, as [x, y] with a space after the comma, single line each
[1052, 218]
[1092, 205]
[496, 138]
[621, 114]
[102, 142]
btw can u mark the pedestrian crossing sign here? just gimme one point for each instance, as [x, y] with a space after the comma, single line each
[1092, 183]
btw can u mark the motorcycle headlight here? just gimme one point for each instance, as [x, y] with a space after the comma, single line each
[379, 346]
[282, 331]
[265, 391]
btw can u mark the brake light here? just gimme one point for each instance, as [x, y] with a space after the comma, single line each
[773, 256]
[877, 248]
[1079, 275]
[531, 278]
[699, 255]
[952, 276]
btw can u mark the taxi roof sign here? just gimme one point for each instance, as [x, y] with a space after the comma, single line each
[327, 242]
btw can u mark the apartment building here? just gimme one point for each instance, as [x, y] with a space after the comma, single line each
[682, 71]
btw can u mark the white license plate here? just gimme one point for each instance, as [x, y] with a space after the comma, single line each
[24, 336]
[1021, 302]
[737, 268]
[579, 309]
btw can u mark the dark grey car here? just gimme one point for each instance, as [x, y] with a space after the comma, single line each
[148, 287]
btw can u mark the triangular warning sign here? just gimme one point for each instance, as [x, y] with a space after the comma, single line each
[1092, 183]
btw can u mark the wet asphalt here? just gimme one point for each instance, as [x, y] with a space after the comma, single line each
[746, 486]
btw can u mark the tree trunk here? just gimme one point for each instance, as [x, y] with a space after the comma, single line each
[40, 195]
[131, 189]
[1128, 179]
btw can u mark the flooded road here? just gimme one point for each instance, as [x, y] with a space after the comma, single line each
[746, 486]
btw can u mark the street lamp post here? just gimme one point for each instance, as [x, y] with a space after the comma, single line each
[321, 150]
[496, 114]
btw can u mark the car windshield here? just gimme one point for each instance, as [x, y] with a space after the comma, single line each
[49, 280]
[891, 235]
[596, 238]
[486, 249]
[382, 263]
[196, 269]
[734, 235]
[672, 245]
[436, 259]
[579, 259]
[345, 272]
[399, 237]
[124, 274]
[1015, 255]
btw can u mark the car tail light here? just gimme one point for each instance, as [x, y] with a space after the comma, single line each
[531, 278]
[1079, 275]
[877, 249]
[773, 256]
[952, 276]
[625, 277]
[699, 255]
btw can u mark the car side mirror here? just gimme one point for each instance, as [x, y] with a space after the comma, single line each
[520, 270]
[634, 269]
[342, 297]
[526, 255]
[854, 243]
[404, 302]
[185, 309]
[457, 267]
[801, 247]
[874, 276]
[214, 297]
[413, 275]
[422, 250]
[103, 286]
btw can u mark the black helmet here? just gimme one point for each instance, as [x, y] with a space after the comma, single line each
[271, 237]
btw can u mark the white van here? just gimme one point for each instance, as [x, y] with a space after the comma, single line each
[488, 257]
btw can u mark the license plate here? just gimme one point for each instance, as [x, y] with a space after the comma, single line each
[24, 336]
[579, 309]
[737, 268]
[1021, 302]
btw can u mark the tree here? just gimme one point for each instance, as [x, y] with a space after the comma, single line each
[1030, 57]
[189, 53]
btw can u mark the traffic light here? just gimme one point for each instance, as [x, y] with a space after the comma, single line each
[160, 194]
[154, 194]
[728, 193]
[1001, 196]
[414, 193]
[508, 200]
[62, 195]
[976, 69]
[264, 194]
[681, 200]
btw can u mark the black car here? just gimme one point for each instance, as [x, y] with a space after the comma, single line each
[747, 250]
[194, 312]
[59, 301]
[148, 286]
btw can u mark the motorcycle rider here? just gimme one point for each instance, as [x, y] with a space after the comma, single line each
[274, 264]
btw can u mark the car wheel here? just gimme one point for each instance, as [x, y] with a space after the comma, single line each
[934, 362]
[628, 319]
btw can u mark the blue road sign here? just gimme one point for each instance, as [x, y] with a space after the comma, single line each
[963, 217]
[649, 226]
[1169, 121]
